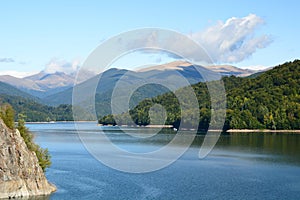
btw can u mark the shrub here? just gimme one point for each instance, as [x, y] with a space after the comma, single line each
[7, 114]
[43, 155]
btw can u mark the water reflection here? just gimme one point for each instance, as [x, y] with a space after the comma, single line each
[284, 144]
[34, 198]
[241, 166]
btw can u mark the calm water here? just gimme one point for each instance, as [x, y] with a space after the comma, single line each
[241, 166]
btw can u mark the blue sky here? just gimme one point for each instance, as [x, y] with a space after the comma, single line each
[42, 34]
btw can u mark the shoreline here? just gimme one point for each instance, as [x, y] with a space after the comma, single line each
[261, 131]
[170, 126]
[53, 122]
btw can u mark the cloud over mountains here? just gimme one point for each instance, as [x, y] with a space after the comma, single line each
[59, 65]
[234, 40]
[231, 41]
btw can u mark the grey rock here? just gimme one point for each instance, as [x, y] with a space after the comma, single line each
[20, 173]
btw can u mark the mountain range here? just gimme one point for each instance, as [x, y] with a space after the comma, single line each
[56, 88]
[41, 84]
[268, 100]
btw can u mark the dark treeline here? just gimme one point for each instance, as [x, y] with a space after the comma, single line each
[36, 112]
[7, 115]
[269, 100]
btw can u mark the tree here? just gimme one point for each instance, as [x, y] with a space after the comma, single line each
[43, 155]
[267, 100]
[7, 114]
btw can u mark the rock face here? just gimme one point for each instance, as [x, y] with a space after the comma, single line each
[20, 173]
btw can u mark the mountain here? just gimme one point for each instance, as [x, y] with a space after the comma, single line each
[44, 84]
[56, 88]
[167, 73]
[269, 100]
[110, 78]
[31, 106]
[6, 89]
[229, 70]
[20, 83]
[41, 84]
[157, 73]
[224, 70]
[36, 112]
[50, 81]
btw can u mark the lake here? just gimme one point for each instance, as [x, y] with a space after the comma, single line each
[241, 166]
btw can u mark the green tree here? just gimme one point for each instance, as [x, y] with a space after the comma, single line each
[7, 114]
[269, 100]
[43, 155]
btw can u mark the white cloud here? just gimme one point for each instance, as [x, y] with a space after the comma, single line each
[59, 65]
[255, 67]
[17, 74]
[231, 41]
[7, 60]
[234, 40]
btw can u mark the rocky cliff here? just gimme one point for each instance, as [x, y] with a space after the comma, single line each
[20, 173]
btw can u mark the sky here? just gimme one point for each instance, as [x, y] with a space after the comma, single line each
[59, 35]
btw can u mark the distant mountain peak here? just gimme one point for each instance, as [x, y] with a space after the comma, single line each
[225, 70]
[45, 84]
[228, 70]
[175, 65]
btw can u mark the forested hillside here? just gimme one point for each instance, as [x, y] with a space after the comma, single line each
[270, 100]
[6, 89]
[36, 112]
